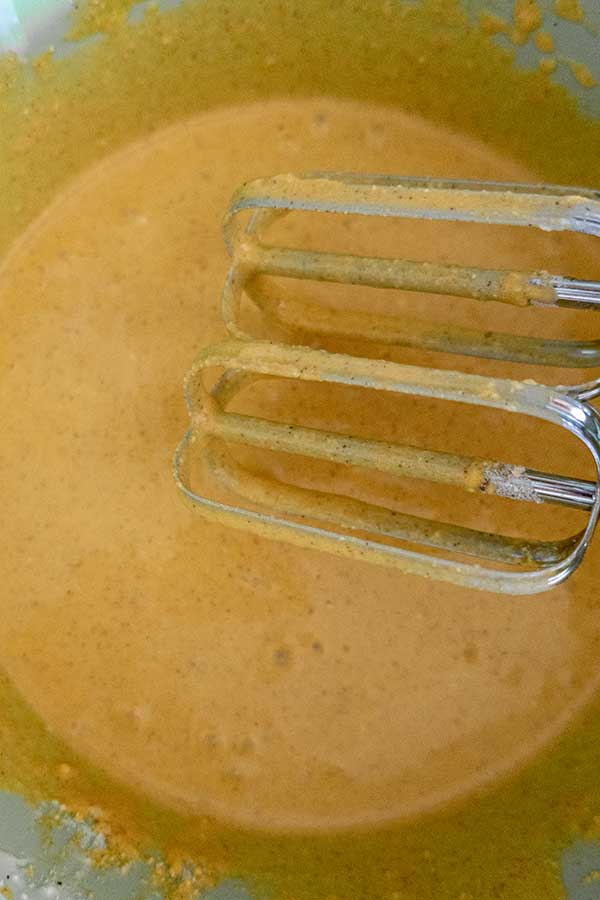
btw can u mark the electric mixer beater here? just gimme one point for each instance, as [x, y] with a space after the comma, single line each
[345, 525]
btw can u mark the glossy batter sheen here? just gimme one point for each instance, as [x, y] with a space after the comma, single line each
[219, 673]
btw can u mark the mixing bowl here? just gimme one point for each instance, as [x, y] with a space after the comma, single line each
[44, 850]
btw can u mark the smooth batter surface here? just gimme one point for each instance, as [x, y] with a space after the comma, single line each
[220, 674]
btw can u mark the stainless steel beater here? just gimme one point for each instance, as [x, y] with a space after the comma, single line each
[342, 524]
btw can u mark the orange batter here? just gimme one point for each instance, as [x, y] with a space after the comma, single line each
[219, 673]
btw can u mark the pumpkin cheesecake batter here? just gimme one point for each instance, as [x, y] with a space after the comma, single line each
[218, 673]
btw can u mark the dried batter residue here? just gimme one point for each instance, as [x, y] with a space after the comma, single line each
[544, 42]
[547, 65]
[582, 74]
[490, 23]
[570, 10]
[527, 18]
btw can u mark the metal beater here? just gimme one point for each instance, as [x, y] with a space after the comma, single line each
[344, 525]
